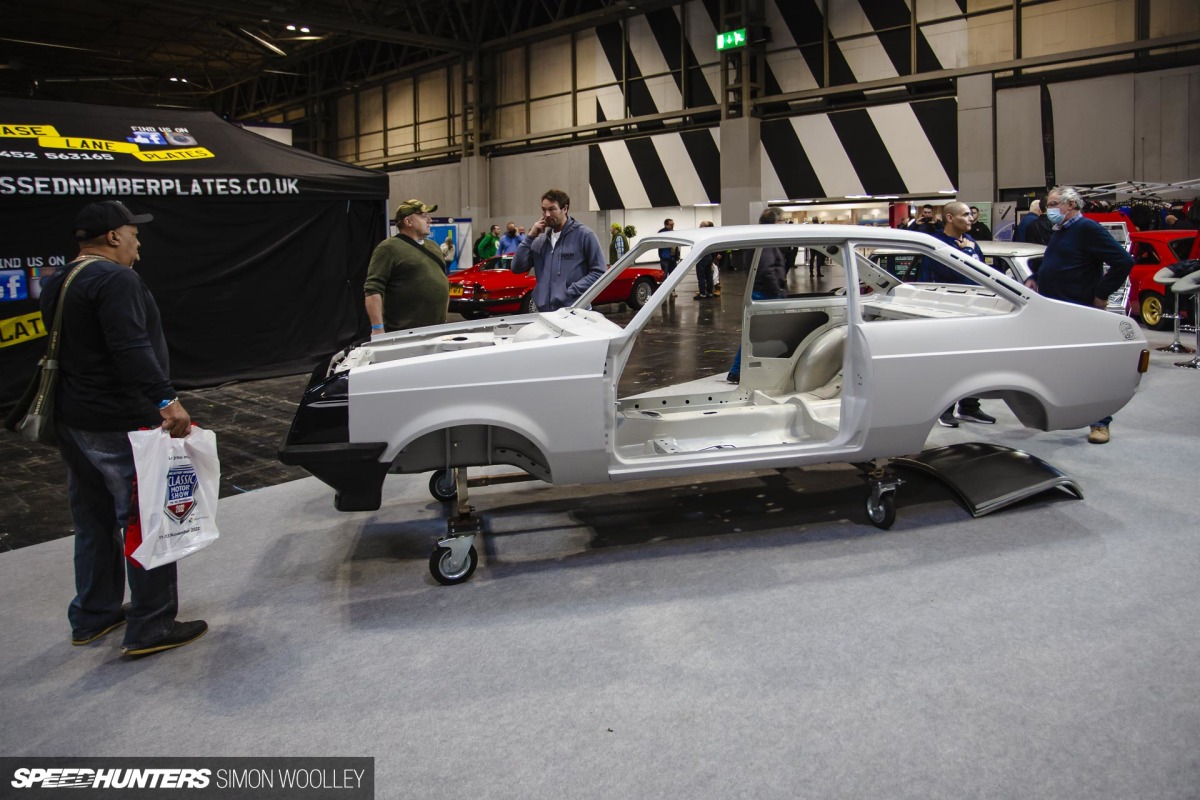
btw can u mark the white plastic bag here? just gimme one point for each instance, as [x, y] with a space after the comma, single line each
[178, 482]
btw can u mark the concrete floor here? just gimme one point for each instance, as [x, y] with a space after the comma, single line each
[690, 338]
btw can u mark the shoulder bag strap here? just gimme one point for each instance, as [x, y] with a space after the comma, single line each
[441, 264]
[51, 359]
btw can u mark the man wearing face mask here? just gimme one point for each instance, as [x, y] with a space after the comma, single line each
[564, 254]
[1073, 267]
[114, 377]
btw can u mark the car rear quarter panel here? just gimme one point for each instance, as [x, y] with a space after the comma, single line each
[1077, 364]
[550, 391]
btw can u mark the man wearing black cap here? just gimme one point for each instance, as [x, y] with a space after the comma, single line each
[406, 280]
[113, 378]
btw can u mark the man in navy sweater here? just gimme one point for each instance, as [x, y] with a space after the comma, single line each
[1073, 267]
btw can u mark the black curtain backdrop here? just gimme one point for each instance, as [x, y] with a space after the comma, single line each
[256, 256]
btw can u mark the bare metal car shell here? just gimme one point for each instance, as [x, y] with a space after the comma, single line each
[825, 378]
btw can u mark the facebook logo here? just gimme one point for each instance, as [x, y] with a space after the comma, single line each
[12, 284]
[146, 137]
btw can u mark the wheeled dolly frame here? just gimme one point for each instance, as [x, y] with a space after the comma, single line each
[455, 558]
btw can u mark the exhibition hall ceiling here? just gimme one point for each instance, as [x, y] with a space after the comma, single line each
[239, 56]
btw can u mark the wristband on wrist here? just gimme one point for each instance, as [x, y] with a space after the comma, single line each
[166, 403]
[376, 327]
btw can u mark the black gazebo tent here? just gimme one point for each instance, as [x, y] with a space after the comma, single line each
[256, 255]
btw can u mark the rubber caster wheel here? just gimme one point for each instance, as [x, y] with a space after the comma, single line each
[443, 486]
[883, 513]
[446, 572]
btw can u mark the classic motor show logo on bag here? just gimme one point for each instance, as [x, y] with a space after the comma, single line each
[181, 492]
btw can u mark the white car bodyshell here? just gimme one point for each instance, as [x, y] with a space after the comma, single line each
[825, 377]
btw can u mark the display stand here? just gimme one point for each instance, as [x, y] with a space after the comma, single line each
[1166, 276]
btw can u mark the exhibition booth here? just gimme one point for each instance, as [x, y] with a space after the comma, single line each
[256, 256]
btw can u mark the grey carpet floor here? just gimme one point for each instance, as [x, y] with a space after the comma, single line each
[741, 636]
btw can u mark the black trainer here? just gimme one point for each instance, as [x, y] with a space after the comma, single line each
[947, 419]
[976, 415]
[79, 638]
[181, 633]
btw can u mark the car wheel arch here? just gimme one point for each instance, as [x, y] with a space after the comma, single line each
[470, 444]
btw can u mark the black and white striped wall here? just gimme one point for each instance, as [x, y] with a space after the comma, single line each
[899, 149]
[905, 148]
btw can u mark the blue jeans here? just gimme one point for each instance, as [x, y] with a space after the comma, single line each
[100, 476]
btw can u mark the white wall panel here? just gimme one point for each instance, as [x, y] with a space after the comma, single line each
[1093, 130]
[1168, 17]
[588, 56]
[436, 185]
[510, 121]
[433, 134]
[401, 140]
[518, 182]
[370, 110]
[550, 115]
[510, 75]
[1165, 122]
[345, 116]
[370, 146]
[400, 103]
[431, 94]
[550, 67]
[990, 38]
[1019, 159]
[936, 9]
[1075, 25]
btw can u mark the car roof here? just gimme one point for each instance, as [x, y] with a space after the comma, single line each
[999, 248]
[733, 235]
[1162, 236]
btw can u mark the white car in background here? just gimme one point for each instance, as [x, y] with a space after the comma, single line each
[826, 377]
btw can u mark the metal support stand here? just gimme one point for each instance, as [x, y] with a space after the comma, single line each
[1176, 346]
[881, 500]
[1195, 362]
[454, 558]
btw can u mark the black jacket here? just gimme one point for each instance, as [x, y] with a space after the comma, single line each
[113, 362]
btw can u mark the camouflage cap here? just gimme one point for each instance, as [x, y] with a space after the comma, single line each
[413, 207]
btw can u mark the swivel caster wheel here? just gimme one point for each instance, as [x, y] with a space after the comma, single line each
[443, 486]
[882, 511]
[448, 571]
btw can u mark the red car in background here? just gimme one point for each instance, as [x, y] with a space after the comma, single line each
[1150, 300]
[491, 287]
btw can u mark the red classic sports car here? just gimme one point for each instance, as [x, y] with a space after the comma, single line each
[1148, 299]
[491, 287]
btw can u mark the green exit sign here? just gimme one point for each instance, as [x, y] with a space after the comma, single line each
[731, 39]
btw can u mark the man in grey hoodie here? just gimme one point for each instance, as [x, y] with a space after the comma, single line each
[566, 260]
